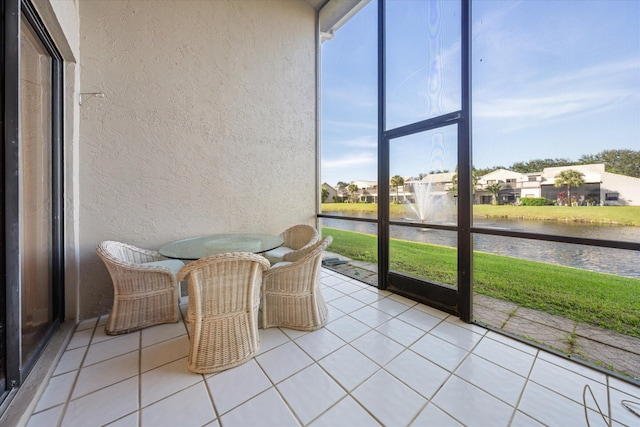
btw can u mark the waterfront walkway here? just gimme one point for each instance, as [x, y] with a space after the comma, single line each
[581, 341]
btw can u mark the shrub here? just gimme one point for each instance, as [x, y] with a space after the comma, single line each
[535, 201]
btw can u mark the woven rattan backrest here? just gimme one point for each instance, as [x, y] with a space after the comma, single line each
[223, 284]
[299, 236]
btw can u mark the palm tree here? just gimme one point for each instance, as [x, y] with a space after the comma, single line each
[325, 194]
[494, 189]
[570, 178]
[353, 190]
[397, 181]
[341, 186]
[454, 182]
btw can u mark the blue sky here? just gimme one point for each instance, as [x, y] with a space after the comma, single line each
[551, 79]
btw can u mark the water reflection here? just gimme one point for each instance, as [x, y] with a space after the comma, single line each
[613, 261]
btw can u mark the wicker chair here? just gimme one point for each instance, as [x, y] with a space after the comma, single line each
[298, 237]
[291, 295]
[224, 297]
[145, 289]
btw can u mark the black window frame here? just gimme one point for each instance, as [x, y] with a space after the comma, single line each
[15, 370]
[459, 302]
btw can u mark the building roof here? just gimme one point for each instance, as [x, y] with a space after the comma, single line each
[502, 174]
[592, 173]
[441, 177]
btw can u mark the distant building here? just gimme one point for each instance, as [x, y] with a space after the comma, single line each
[439, 184]
[619, 190]
[599, 188]
[367, 191]
[529, 185]
[333, 193]
[509, 181]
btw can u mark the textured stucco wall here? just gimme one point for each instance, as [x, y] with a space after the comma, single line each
[208, 124]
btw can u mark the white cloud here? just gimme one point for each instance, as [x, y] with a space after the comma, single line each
[586, 90]
[349, 124]
[350, 161]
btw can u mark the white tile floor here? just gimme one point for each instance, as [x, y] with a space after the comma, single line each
[381, 360]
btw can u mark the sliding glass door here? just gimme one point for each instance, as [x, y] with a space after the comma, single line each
[32, 188]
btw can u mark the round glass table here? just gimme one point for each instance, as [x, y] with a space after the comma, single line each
[200, 247]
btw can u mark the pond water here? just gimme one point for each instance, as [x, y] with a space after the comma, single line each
[605, 260]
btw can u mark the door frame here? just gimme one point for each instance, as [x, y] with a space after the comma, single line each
[13, 12]
[454, 300]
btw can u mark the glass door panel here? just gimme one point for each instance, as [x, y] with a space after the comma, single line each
[422, 60]
[423, 196]
[349, 118]
[35, 190]
[423, 112]
[414, 252]
[424, 177]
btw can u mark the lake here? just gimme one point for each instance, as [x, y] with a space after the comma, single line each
[605, 260]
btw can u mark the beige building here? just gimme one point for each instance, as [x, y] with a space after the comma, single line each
[599, 188]
[509, 192]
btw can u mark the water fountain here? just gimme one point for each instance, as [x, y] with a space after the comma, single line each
[430, 204]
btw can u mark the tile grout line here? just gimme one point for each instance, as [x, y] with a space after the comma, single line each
[451, 374]
[317, 364]
[75, 380]
[379, 367]
[528, 379]
[139, 410]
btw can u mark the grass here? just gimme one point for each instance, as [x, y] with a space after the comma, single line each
[614, 215]
[356, 208]
[609, 301]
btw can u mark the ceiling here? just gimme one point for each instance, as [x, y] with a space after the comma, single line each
[334, 13]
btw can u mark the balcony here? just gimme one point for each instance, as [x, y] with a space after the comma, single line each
[207, 122]
[381, 360]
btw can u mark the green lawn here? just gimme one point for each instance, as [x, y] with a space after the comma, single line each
[611, 302]
[619, 215]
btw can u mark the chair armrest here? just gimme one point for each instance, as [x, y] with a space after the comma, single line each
[137, 255]
[299, 254]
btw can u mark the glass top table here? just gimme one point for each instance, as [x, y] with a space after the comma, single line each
[200, 247]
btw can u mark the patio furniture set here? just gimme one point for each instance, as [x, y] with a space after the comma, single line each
[239, 282]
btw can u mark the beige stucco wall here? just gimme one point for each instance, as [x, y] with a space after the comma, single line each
[208, 124]
[627, 187]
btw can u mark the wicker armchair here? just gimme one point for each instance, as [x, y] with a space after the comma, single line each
[298, 237]
[145, 289]
[291, 295]
[224, 297]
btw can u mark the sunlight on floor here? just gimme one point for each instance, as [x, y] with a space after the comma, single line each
[381, 360]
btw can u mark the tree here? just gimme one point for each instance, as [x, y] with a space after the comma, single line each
[569, 178]
[341, 185]
[454, 181]
[397, 181]
[622, 162]
[485, 171]
[538, 165]
[353, 192]
[325, 194]
[494, 189]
